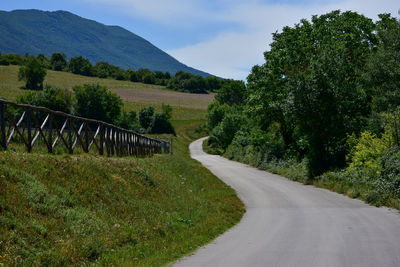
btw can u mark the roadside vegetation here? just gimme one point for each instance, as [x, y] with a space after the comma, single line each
[83, 209]
[323, 108]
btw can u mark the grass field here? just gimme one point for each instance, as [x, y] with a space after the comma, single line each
[145, 94]
[84, 209]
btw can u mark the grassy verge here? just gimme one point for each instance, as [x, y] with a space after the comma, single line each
[338, 181]
[79, 209]
[84, 209]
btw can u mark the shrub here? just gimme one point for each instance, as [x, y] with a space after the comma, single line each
[51, 97]
[80, 65]
[365, 155]
[161, 124]
[96, 102]
[215, 114]
[224, 133]
[146, 117]
[33, 73]
[128, 120]
[389, 180]
[232, 93]
[58, 61]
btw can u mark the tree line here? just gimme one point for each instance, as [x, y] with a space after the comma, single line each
[37, 65]
[328, 96]
[94, 101]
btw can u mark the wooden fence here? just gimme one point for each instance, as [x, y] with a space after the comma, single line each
[30, 125]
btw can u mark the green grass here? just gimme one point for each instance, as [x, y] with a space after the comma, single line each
[138, 93]
[84, 209]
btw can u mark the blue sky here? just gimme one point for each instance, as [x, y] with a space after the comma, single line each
[223, 37]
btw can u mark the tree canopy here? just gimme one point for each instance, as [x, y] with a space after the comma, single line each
[33, 72]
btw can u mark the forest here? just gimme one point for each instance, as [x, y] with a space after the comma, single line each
[322, 109]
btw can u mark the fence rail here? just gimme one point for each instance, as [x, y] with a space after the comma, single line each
[30, 125]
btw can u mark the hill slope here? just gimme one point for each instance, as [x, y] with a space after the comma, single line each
[35, 32]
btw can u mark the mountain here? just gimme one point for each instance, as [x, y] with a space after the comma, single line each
[35, 32]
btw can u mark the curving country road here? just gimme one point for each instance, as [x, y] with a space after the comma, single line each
[291, 224]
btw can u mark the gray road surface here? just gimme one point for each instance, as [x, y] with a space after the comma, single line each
[290, 224]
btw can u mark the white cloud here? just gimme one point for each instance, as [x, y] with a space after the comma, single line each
[232, 54]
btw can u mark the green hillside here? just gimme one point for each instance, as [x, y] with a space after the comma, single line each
[84, 209]
[35, 32]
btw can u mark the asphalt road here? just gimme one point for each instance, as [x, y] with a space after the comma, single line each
[291, 224]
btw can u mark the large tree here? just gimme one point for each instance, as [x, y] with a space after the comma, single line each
[382, 73]
[58, 61]
[96, 102]
[33, 73]
[80, 65]
[311, 84]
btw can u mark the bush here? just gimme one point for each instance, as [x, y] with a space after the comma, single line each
[33, 73]
[232, 93]
[146, 117]
[389, 180]
[80, 65]
[161, 124]
[215, 114]
[365, 155]
[58, 61]
[51, 97]
[128, 120]
[224, 133]
[156, 123]
[96, 102]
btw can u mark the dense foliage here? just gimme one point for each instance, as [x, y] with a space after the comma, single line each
[51, 97]
[97, 102]
[33, 72]
[327, 96]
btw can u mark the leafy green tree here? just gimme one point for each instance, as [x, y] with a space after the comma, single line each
[51, 97]
[311, 82]
[141, 73]
[58, 61]
[33, 73]
[382, 73]
[213, 83]
[161, 124]
[149, 78]
[133, 76]
[128, 120]
[96, 102]
[146, 117]
[215, 114]
[44, 61]
[232, 93]
[80, 65]
[225, 131]
[167, 111]
[102, 69]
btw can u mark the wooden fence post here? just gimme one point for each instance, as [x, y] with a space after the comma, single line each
[3, 126]
[101, 150]
[29, 126]
[70, 144]
[50, 138]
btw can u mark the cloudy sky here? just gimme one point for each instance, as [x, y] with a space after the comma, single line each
[222, 37]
